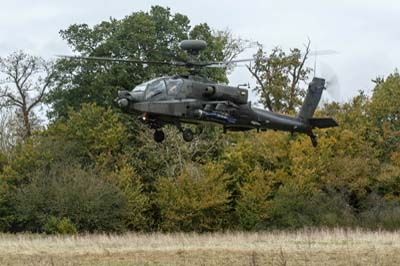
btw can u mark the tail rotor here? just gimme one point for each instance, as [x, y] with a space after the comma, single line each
[326, 72]
[332, 83]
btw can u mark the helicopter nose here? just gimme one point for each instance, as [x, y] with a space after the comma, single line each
[122, 101]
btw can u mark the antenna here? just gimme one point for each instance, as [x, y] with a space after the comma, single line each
[315, 64]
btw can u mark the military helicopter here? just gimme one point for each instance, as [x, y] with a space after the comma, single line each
[193, 99]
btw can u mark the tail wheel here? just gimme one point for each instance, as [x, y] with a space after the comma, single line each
[159, 136]
[187, 134]
[314, 140]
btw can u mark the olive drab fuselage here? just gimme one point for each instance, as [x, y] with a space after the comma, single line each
[195, 100]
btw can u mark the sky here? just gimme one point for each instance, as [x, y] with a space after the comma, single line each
[365, 34]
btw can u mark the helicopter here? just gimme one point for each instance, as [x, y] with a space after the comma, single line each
[194, 99]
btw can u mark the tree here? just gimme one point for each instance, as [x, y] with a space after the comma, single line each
[93, 142]
[279, 76]
[252, 152]
[97, 134]
[196, 200]
[384, 113]
[253, 208]
[295, 207]
[26, 79]
[153, 35]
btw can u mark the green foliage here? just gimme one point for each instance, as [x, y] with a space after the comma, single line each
[92, 204]
[56, 226]
[7, 215]
[380, 213]
[93, 172]
[196, 200]
[152, 160]
[384, 102]
[138, 204]
[75, 142]
[279, 76]
[94, 169]
[384, 112]
[76, 139]
[113, 181]
[65, 226]
[296, 207]
[3, 160]
[152, 35]
[83, 130]
[253, 155]
[253, 208]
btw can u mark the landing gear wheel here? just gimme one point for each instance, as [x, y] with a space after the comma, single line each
[187, 135]
[314, 140]
[159, 136]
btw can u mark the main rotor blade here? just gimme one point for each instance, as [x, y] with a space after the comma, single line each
[121, 60]
[322, 52]
[150, 62]
[226, 64]
[241, 60]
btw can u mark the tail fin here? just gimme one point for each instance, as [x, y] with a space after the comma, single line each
[312, 99]
[310, 103]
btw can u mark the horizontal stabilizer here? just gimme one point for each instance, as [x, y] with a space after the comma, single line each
[322, 122]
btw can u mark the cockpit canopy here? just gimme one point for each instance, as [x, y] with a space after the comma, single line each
[159, 86]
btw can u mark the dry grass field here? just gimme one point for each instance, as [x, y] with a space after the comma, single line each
[307, 247]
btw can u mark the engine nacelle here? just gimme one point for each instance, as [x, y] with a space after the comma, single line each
[226, 93]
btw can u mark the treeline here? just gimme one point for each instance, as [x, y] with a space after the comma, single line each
[95, 169]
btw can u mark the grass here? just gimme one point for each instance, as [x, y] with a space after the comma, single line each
[306, 247]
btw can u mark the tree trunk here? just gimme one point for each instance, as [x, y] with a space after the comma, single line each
[27, 123]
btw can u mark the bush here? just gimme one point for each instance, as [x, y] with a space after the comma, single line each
[90, 203]
[56, 226]
[296, 207]
[196, 201]
[379, 213]
[65, 226]
[254, 204]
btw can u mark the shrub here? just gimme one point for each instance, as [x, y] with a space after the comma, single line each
[56, 226]
[90, 203]
[196, 201]
[296, 207]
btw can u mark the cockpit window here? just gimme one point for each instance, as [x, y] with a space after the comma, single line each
[173, 86]
[155, 88]
[141, 88]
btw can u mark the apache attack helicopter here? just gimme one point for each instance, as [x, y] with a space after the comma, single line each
[193, 99]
